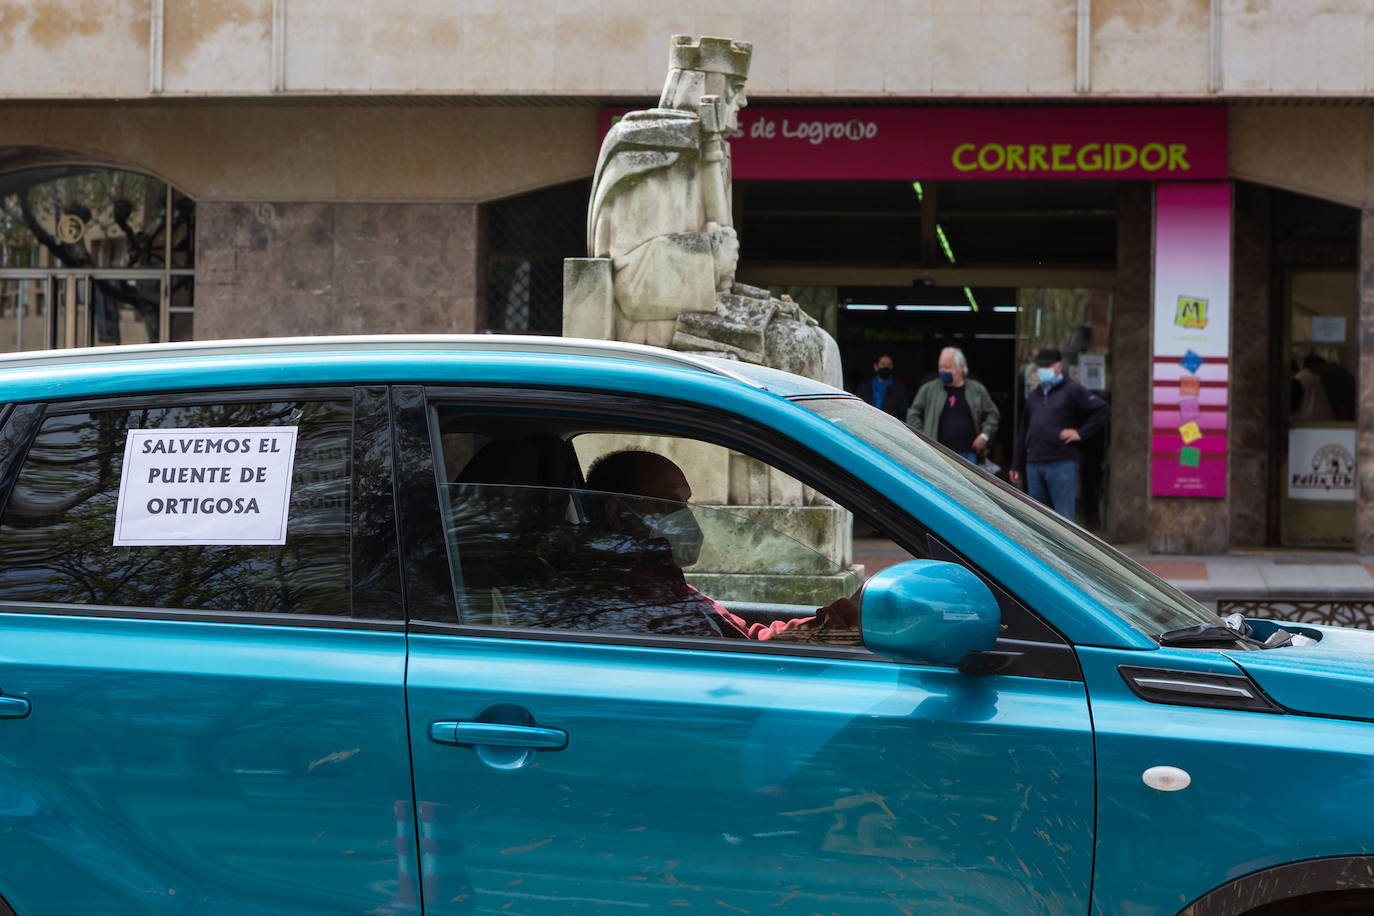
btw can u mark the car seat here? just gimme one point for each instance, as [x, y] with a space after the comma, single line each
[506, 523]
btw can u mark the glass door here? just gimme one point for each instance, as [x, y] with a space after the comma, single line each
[1321, 329]
[94, 310]
[124, 311]
[24, 311]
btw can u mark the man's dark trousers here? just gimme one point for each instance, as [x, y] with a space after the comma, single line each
[1054, 484]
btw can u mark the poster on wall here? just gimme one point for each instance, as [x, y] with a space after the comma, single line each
[1321, 463]
[1192, 325]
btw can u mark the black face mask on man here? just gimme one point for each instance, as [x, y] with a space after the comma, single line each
[885, 373]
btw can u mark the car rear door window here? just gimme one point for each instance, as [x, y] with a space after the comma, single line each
[57, 529]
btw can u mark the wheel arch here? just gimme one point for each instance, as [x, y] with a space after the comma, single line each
[1285, 882]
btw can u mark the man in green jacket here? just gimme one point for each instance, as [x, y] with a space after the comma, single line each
[954, 410]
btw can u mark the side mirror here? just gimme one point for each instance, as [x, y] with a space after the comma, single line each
[928, 611]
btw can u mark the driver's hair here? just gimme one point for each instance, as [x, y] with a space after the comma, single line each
[626, 471]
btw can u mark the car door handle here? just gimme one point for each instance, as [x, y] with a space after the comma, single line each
[13, 708]
[497, 734]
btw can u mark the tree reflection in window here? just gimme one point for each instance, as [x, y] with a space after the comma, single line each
[85, 217]
[58, 527]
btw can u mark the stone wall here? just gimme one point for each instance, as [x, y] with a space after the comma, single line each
[1129, 485]
[1248, 419]
[311, 151]
[1364, 485]
[854, 47]
[271, 269]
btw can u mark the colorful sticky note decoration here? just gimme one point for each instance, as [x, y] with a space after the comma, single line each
[1192, 312]
[1190, 432]
[1191, 361]
[1190, 385]
[1190, 457]
[1188, 409]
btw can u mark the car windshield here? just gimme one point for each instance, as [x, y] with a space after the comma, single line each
[1119, 584]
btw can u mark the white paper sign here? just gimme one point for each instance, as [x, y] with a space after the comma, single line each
[226, 485]
[1328, 329]
[1092, 371]
[1321, 463]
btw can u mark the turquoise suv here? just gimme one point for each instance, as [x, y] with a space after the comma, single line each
[519, 625]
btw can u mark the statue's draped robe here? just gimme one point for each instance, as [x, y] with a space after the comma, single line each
[647, 215]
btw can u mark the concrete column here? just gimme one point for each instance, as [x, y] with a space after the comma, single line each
[277, 269]
[1129, 484]
[1251, 373]
[1364, 459]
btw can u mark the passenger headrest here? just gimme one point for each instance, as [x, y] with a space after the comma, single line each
[533, 460]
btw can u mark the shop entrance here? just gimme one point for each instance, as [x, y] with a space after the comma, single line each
[93, 256]
[46, 310]
[998, 269]
[999, 339]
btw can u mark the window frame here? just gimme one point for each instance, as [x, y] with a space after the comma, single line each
[361, 401]
[1039, 650]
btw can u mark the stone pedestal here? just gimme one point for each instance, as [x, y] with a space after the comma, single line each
[749, 501]
[588, 298]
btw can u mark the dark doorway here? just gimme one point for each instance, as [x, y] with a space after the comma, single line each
[913, 325]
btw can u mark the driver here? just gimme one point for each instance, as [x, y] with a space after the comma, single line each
[658, 535]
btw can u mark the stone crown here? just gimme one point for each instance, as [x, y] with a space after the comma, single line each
[712, 55]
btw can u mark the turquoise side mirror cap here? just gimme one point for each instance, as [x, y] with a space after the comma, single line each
[928, 611]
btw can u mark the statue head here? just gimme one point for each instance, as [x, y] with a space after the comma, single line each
[707, 66]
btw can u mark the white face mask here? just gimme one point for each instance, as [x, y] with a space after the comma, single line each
[679, 528]
[681, 531]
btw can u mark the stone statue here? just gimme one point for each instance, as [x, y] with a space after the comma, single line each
[661, 244]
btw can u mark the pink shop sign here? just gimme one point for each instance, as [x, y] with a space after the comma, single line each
[1153, 143]
[1192, 328]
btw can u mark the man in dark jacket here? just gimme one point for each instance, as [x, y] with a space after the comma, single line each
[885, 392]
[1059, 414]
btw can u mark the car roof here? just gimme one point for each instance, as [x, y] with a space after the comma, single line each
[782, 383]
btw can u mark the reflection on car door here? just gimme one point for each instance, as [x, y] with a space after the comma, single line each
[557, 771]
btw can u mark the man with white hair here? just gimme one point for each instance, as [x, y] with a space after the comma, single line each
[954, 410]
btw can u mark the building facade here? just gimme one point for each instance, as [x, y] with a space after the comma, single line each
[174, 169]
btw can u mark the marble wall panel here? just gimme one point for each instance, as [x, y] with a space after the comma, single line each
[282, 268]
[1248, 417]
[1162, 45]
[1189, 526]
[217, 46]
[75, 48]
[1128, 485]
[1053, 66]
[1364, 487]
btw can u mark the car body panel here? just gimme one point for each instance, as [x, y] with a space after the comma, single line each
[751, 782]
[1331, 678]
[164, 765]
[215, 764]
[1262, 792]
